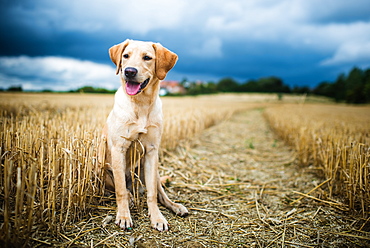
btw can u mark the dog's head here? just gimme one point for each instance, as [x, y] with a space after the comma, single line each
[140, 62]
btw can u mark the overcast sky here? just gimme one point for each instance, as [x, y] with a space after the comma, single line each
[63, 44]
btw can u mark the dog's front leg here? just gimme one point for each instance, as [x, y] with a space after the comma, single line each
[123, 218]
[151, 170]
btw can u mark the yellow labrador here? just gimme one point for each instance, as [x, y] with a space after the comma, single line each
[137, 115]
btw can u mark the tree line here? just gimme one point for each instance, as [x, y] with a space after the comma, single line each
[84, 89]
[351, 88]
[262, 85]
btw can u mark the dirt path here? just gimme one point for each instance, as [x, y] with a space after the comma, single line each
[239, 182]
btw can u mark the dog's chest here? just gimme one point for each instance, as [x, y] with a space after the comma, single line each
[129, 120]
[132, 131]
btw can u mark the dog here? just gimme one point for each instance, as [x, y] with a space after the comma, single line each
[137, 117]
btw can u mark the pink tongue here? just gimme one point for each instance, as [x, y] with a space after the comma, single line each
[132, 88]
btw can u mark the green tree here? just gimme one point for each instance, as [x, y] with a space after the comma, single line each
[340, 88]
[355, 86]
[367, 85]
[266, 84]
[227, 85]
[90, 89]
[250, 86]
[15, 88]
[325, 89]
[301, 90]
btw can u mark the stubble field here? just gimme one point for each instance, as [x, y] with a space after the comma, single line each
[254, 172]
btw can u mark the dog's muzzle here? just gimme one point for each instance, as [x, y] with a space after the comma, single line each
[134, 88]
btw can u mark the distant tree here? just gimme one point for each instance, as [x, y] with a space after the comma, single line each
[197, 88]
[193, 88]
[184, 81]
[271, 84]
[227, 85]
[340, 88]
[90, 89]
[301, 90]
[266, 84]
[15, 88]
[325, 89]
[367, 85]
[354, 88]
[249, 86]
[209, 88]
[86, 89]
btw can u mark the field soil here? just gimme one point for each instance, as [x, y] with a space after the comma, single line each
[243, 188]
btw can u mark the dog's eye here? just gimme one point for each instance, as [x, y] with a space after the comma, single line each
[125, 56]
[147, 58]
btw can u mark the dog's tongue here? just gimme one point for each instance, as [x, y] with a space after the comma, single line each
[132, 88]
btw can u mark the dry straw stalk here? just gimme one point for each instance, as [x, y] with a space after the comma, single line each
[334, 139]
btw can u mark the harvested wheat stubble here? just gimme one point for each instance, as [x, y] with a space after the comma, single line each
[335, 139]
[238, 181]
[239, 195]
[48, 143]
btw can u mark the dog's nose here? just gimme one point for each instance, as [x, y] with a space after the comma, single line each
[130, 72]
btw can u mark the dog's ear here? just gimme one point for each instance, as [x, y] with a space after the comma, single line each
[165, 60]
[115, 53]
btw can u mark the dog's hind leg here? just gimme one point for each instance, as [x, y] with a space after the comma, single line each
[177, 208]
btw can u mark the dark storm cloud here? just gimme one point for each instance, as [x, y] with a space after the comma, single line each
[303, 42]
[340, 11]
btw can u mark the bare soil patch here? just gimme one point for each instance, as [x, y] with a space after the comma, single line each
[243, 188]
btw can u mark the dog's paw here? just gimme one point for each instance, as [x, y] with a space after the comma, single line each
[159, 223]
[124, 222]
[180, 210]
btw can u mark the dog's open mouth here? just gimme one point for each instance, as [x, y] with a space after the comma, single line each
[134, 88]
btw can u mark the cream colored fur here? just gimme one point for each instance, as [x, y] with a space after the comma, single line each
[137, 117]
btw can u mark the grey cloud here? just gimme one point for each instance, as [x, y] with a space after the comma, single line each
[299, 41]
[57, 72]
